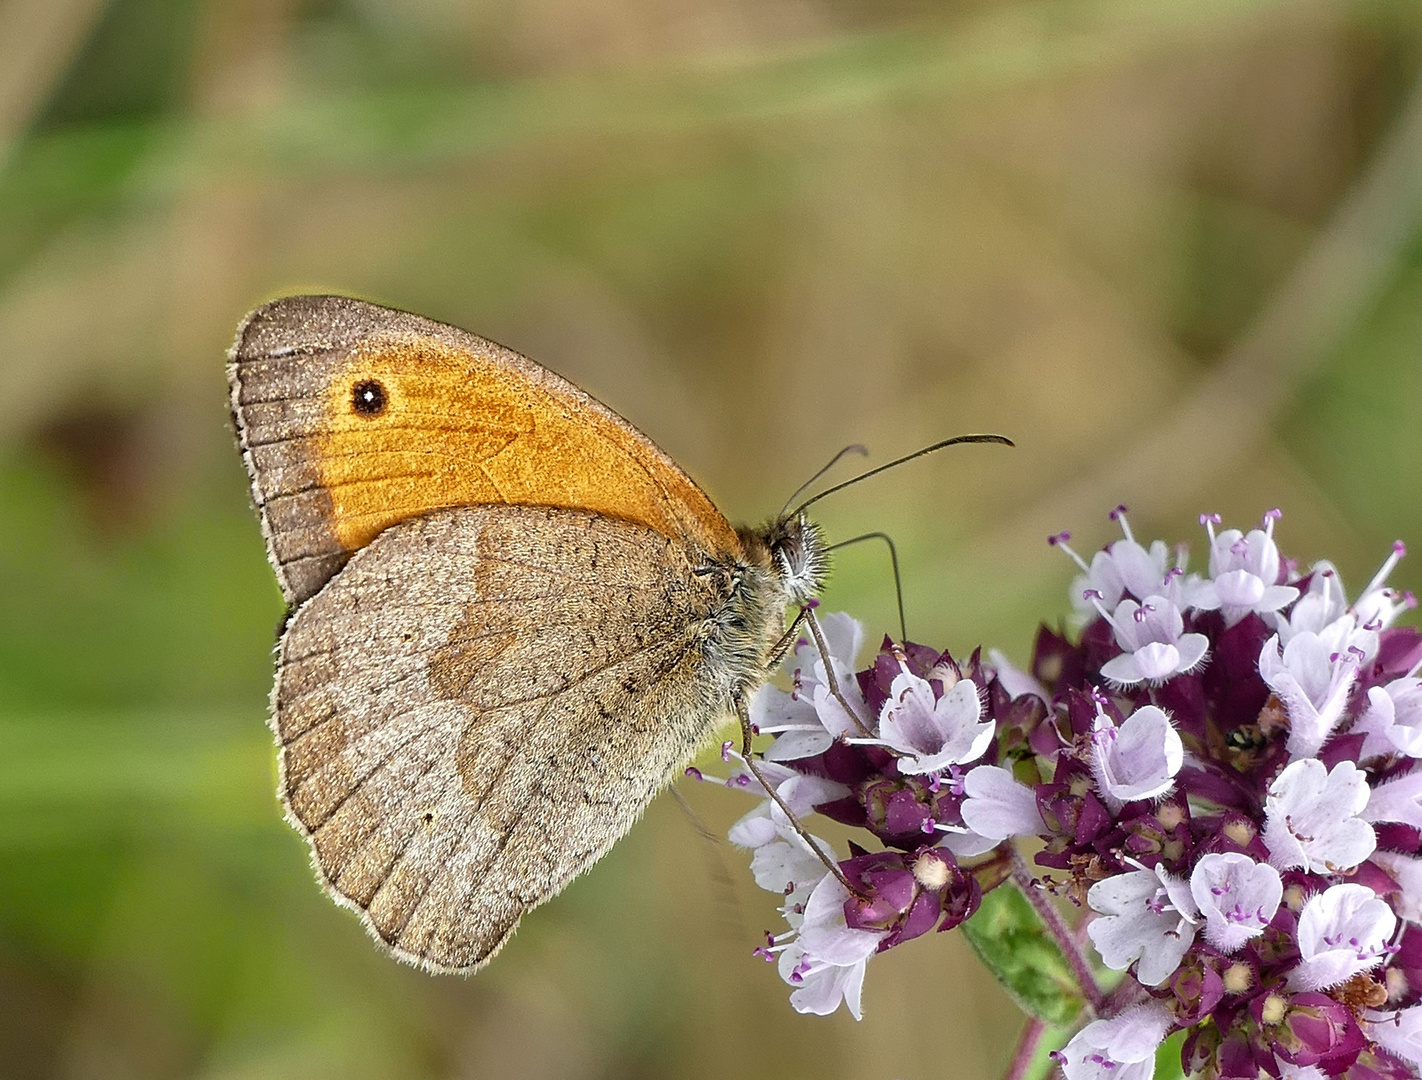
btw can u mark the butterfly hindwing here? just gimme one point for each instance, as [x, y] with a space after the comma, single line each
[479, 704]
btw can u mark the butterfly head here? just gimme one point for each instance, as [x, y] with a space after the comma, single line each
[793, 549]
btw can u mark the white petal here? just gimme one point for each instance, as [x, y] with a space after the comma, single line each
[844, 637]
[1157, 661]
[1397, 800]
[998, 806]
[1406, 870]
[773, 707]
[1192, 650]
[968, 843]
[1399, 1033]
[1142, 573]
[794, 745]
[1159, 961]
[755, 828]
[1311, 817]
[1276, 597]
[778, 865]
[820, 992]
[1239, 589]
[1015, 681]
[802, 793]
[1123, 670]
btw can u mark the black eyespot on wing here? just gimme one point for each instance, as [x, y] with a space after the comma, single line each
[368, 397]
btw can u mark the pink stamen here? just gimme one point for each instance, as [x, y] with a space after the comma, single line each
[1118, 515]
[1060, 541]
[1399, 549]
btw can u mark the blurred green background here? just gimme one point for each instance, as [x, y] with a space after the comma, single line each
[1172, 247]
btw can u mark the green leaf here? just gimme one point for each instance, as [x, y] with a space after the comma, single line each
[1167, 1058]
[1012, 941]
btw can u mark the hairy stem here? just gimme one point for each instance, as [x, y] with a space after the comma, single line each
[1026, 1049]
[1061, 933]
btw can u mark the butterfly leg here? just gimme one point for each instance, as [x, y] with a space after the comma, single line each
[781, 647]
[830, 677]
[748, 756]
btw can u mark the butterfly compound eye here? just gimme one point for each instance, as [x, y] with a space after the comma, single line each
[368, 397]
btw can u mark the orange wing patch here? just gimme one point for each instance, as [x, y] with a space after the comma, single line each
[414, 426]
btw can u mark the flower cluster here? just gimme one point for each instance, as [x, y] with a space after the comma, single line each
[1219, 770]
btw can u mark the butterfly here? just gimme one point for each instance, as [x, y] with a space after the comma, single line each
[512, 617]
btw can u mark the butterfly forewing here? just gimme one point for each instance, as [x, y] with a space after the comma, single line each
[353, 417]
[480, 703]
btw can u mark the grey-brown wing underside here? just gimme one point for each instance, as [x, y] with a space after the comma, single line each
[478, 705]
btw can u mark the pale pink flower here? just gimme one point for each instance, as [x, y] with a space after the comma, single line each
[1121, 1048]
[808, 717]
[1125, 566]
[1392, 720]
[1236, 896]
[1311, 817]
[825, 963]
[1342, 932]
[1379, 604]
[1138, 759]
[930, 733]
[1312, 675]
[1244, 568]
[1146, 915]
[1152, 633]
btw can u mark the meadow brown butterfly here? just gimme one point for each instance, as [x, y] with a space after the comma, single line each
[513, 618]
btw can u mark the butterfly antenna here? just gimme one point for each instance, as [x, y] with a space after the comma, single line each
[893, 558]
[852, 448]
[896, 462]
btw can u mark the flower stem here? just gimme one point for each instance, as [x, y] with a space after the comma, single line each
[1026, 1049]
[1061, 934]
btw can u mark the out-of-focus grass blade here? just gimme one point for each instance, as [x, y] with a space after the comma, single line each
[1004, 46]
[67, 778]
